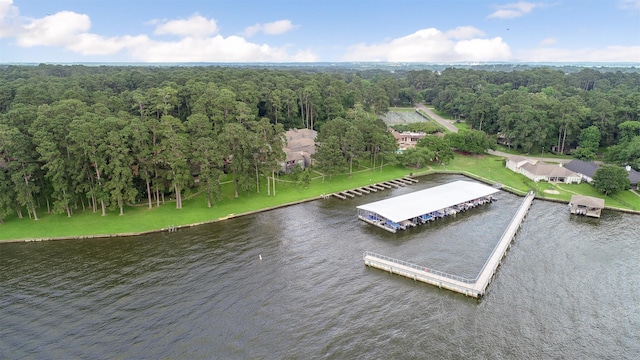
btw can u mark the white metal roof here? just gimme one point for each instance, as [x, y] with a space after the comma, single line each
[421, 202]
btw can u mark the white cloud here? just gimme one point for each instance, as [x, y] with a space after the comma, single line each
[482, 49]
[272, 28]
[214, 49]
[61, 28]
[607, 54]
[92, 44]
[629, 4]
[8, 14]
[196, 25]
[464, 32]
[198, 39]
[548, 41]
[432, 45]
[514, 10]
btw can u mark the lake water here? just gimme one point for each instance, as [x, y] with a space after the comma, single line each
[568, 288]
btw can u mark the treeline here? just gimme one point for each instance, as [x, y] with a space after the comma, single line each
[77, 137]
[542, 108]
[82, 137]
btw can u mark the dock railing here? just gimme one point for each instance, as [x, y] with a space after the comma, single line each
[420, 268]
[495, 248]
[525, 204]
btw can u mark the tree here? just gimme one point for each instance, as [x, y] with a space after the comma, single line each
[417, 157]
[50, 135]
[173, 155]
[328, 156]
[439, 147]
[118, 168]
[6, 194]
[609, 179]
[140, 140]
[20, 168]
[471, 141]
[268, 150]
[589, 143]
[205, 155]
[87, 134]
[236, 145]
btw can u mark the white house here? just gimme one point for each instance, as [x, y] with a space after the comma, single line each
[539, 171]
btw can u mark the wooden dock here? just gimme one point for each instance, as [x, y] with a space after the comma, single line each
[367, 189]
[470, 287]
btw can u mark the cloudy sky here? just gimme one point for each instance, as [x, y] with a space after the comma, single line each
[319, 31]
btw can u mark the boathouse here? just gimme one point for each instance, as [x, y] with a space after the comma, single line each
[401, 212]
[586, 205]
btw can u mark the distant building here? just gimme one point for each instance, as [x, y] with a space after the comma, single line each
[586, 205]
[406, 139]
[301, 144]
[539, 171]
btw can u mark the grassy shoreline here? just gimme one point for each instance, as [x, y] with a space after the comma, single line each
[140, 220]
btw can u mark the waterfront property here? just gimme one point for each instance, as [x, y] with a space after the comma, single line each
[407, 139]
[540, 171]
[470, 287]
[401, 212]
[587, 169]
[586, 205]
[300, 147]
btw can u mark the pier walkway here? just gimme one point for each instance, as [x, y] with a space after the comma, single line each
[471, 287]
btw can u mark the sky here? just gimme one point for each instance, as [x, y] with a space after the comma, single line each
[434, 31]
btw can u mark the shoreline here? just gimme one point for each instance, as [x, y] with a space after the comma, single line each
[231, 216]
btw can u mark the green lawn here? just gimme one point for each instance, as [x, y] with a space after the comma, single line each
[546, 154]
[492, 169]
[441, 113]
[461, 125]
[140, 218]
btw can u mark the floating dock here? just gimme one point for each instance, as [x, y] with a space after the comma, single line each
[471, 287]
[416, 208]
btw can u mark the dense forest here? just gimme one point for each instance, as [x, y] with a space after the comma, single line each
[98, 137]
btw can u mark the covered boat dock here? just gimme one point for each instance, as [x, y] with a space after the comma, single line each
[416, 208]
[586, 205]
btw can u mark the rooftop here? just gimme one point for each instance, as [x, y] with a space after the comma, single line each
[421, 202]
[550, 170]
[588, 201]
[583, 167]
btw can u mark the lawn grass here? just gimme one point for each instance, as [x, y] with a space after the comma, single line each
[140, 218]
[461, 125]
[545, 155]
[441, 113]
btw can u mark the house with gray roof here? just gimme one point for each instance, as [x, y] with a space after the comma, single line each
[634, 177]
[587, 169]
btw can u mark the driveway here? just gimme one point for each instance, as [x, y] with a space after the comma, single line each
[442, 121]
[448, 124]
